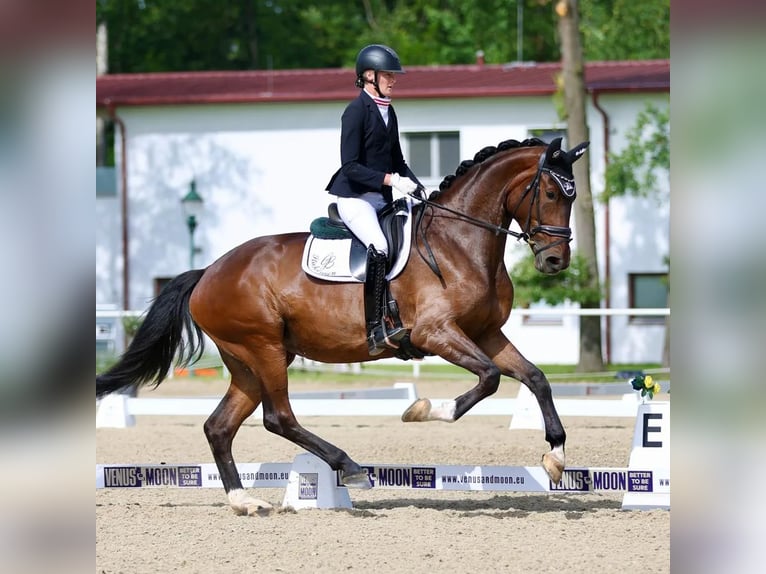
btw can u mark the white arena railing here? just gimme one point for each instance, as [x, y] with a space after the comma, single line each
[212, 359]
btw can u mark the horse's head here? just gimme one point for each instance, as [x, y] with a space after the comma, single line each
[531, 182]
[544, 207]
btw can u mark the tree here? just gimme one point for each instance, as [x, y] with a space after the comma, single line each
[634, 170]
[573, 83]
[452, 31]
[625, 29]
[193, 35]
[573, 285]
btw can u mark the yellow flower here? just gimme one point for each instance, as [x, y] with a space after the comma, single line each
[656, 390]
[648, 382]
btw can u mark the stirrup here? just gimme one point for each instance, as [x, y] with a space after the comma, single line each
[393, 333]
[380, 340]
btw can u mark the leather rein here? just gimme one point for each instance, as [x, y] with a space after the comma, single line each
[563, 233]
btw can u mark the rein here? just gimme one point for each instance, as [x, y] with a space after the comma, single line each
[564, 233]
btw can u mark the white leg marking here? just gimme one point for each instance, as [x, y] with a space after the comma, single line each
[558, 454]
[242, 503]
[553, 463]
[444, 412]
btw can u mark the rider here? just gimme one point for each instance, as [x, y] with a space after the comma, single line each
[373, 173]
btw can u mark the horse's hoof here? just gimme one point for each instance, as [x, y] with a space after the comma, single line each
[553, 466]
[244, 504]
[358, 480]
[417, 411]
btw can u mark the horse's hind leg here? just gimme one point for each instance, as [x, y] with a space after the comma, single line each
[239, 402]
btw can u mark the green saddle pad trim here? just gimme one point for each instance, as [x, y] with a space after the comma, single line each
[324, 228]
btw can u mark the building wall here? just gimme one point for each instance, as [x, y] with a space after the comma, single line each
[639, 231]
[262, 169]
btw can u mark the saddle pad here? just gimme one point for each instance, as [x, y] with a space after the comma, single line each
[329, 259]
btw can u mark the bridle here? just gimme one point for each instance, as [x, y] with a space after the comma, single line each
[567, 187]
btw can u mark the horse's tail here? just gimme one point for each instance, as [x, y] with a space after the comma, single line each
[150, 354]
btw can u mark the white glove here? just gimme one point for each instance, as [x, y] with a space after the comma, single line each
[401, 186]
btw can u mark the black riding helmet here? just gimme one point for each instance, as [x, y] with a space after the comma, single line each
[379, 58]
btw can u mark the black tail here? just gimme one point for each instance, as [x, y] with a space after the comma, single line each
[150, 354]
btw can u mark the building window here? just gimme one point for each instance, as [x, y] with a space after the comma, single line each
[648, 291]
[106, 181]
[433, 155]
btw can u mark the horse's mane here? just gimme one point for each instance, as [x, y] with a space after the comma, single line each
[481, 156]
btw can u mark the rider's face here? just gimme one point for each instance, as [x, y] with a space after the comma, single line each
[386, 81]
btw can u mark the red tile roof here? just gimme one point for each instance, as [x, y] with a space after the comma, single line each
[420, 82]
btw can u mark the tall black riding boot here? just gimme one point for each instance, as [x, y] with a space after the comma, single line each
[380, 337]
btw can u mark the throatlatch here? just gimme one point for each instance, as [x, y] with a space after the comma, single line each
[384, 328]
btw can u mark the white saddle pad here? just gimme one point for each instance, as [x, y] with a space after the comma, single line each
[328, 259]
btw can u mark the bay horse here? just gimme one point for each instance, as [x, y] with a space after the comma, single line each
[262, 310]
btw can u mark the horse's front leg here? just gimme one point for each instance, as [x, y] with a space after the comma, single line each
[513, 364]
[494, 357]
[452, 344]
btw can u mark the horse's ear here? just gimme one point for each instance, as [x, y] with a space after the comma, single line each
[576, 152]
[554, 150]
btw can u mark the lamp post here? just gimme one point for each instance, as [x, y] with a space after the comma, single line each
[192, 205]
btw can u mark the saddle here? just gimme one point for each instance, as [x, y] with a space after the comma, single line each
[333, 253]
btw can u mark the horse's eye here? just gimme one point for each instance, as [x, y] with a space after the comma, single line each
[550, 194]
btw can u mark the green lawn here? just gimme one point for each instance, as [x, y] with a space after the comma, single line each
[387, 372]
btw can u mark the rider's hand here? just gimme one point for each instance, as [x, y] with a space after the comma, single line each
[401, 186]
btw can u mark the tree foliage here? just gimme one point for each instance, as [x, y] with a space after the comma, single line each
[634, 170]
[625, 29]
[573, 285]
[194, 35]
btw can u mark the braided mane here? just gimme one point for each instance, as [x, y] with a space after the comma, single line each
[481, 156]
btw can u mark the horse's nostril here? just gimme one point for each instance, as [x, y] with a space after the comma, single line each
[553, 261]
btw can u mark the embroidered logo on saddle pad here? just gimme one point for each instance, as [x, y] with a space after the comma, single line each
[332, 253]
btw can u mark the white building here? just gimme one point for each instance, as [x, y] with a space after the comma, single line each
[262, 145]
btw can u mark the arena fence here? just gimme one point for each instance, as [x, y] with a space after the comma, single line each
[119, 410]
[310, 483]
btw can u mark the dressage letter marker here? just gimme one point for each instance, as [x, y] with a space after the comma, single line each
[651, 449]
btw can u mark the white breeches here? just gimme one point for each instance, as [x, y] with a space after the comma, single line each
[360, 214]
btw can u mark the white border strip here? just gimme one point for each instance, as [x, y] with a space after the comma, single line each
[420, 477]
